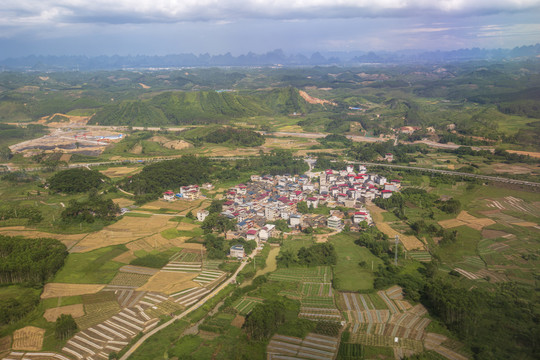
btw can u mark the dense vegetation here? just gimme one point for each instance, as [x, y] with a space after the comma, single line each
[171, 174]
[32, 213]
[318, 254]
[65, 327]
[236, 137]
[76, 180]
[264, 320]
[94, 208]
[29, 260]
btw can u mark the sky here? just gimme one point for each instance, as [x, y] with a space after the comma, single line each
[160, 27]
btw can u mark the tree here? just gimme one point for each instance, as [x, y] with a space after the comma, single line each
[302, 207]
[264, 320]
[190, 215]
[65, 327]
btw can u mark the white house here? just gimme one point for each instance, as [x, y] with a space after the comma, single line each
[334, 222]
[202, 214]
[294, 220]
[267, 232]
[169, 196]
[237, 251]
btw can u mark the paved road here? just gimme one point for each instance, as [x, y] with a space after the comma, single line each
[453, 173]
[194, 307]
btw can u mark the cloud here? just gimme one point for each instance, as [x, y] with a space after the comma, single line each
[32, 12]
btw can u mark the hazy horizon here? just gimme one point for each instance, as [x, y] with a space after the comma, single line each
[161, 27]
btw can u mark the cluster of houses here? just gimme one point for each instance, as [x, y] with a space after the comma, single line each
[190, 192]
[265, 199]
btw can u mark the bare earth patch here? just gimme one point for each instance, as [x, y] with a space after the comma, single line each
[123, 202]
[120, 171]
[76, 311]
[464, 218]
[171, 144]
[525, 223]
[170, 282]
[5, 343]
[28, 338]
[493, 234]
[314, 100]
[52, 290]
[238, 321]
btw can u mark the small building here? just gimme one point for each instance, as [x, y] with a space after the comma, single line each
[267, 232]
[168, 196]
[295, 220]
[386, 194]
[251, 234]
[389, 157]
[334, 222]
[202, 214]
[237, 251]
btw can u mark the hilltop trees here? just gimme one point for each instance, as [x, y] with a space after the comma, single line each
[76, 180]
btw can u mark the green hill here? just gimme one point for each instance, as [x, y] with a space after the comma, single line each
[202, 107]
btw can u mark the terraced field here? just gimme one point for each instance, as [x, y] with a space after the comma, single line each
[246, 304]
[313, 346]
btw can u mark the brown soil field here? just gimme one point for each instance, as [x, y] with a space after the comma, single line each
[123, 202]
[238, 321]
[170, 282]
[125, 258]
[139, 270]
[28, 338]
[52, 290]
[226, 151]
[67, 240]
[76, 311]
[123, 231]
[289, 143]
[187, 226]
[171, 144]
[493, 234]
[5, 343]
[464, 218]
[525, 223]
[144, 86]
[530, 153]
[137, 149]
[121, 171]
[409, 242]
[65, 157]
[451, 223]
[155, 242]
[513, 169]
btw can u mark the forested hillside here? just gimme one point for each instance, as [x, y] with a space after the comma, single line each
[202, 107]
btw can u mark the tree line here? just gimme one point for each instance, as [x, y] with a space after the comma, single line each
[30, 260]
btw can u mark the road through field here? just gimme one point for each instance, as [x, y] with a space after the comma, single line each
[194, 307]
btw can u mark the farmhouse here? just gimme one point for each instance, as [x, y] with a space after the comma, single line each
[202, 214]
[334, 222]
[168, 196]
[237, 251]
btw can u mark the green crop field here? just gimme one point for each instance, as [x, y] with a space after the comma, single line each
[349, 275]
[94, 267]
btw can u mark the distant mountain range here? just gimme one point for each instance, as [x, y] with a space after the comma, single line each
[272, 58]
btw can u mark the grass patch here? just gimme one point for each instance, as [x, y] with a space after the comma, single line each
[61, 301]
[348, 275]
[132, 214]
[94, 267]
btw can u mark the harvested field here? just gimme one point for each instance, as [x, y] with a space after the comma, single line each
[130, 279]
[28, 338]
[5, 343]
[67, 240]
[177, 205]
[408, 241]
[525, 223]
[514, 204]
[171, 144]
[238, 321]
[123, 202]
[138, 270]
[493, 234]
[120, 171]
[124, 231]
[52, 290]
[170, 282]
[529, 153]
[464, 218]
[125, 257]
[451, 223]
[76, 311]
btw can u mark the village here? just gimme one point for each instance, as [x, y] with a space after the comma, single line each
[258, 204]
